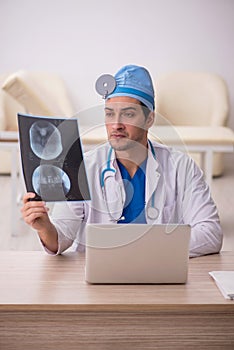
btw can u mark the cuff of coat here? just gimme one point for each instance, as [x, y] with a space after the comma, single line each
[63, 243]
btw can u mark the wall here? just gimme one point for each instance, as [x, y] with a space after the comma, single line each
[83, 39]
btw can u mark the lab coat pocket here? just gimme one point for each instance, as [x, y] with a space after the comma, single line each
[169, 214]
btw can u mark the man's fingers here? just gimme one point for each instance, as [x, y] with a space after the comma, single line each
[28, 196]
[34, 213]
[30, 219]
[33, 205]
[39, 210]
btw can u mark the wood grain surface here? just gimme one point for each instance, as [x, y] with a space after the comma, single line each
[45, 304]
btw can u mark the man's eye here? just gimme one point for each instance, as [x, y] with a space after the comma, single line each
[109, 114]
[128, 115]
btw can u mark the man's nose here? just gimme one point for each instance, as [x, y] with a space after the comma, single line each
[117, 122]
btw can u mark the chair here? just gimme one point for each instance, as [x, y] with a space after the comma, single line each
[39, 93]
[193, 99]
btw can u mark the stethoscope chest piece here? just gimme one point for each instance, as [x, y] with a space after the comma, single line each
[152, 213]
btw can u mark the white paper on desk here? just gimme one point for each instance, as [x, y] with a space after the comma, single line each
[225, 282]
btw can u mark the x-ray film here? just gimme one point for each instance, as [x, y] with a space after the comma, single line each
[52, 158]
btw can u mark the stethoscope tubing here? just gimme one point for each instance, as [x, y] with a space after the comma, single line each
[152, 211]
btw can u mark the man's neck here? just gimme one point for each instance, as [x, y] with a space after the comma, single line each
[132, 158]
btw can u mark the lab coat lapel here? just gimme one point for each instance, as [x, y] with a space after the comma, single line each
[152, 175]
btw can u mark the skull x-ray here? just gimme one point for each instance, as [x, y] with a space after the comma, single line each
[45, 140]
[52, 158]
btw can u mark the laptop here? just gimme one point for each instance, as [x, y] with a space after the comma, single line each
[137, 253]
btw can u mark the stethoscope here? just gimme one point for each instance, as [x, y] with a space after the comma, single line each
[151, 210]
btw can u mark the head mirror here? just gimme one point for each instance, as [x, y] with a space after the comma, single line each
[105, 85]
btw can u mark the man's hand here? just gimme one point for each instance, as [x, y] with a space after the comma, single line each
[35, 214]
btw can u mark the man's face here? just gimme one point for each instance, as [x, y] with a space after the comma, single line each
[126, 124]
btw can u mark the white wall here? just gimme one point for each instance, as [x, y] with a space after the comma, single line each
[83, 39]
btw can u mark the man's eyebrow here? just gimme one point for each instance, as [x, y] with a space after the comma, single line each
[122, 109]
[127, 108]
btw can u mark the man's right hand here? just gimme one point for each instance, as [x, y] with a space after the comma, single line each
[35, 214]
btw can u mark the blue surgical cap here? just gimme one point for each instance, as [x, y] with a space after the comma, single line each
[134, 81]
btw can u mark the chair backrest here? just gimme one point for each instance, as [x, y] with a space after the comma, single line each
[192, 98]
[39, 93]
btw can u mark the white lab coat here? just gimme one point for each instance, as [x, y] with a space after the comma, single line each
[181, 196]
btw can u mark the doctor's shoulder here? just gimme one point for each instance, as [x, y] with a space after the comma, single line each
[176, 159]
[96, 156]
[163, 153]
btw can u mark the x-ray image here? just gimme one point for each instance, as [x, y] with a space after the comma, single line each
[52, 158]
[45, 140]
[50, 181]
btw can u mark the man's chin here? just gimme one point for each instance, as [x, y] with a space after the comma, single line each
[120, 145]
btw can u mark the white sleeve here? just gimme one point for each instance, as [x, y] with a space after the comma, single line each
[67, 217]
[199, 210]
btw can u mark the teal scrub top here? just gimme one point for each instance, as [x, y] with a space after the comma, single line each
[134, 207]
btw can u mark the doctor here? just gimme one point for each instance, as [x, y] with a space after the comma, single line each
[131, 179]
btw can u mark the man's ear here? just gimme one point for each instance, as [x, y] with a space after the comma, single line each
[150, 119]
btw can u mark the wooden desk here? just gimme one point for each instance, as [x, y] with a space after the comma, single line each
[46, 304]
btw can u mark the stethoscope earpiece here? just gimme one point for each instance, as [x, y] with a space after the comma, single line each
[105, 85]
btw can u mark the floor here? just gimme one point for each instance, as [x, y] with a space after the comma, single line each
[26, 239]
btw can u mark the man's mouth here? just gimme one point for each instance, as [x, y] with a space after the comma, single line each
[117, 136]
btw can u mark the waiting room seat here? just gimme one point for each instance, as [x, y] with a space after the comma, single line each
[39, 93]
[187, 98]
